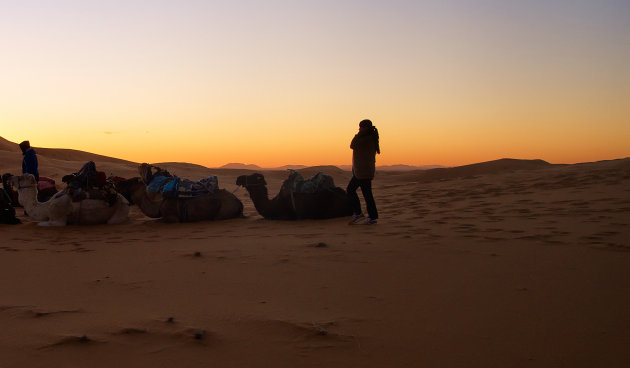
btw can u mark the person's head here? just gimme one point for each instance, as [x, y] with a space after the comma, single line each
[24, 146]
[365, 124]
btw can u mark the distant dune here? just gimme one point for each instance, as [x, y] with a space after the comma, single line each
[330, 170]
[8, 145]
[399, 167]
[290, 167]
[240, 166]
[504, 165]
[406, 167]
[61, 153]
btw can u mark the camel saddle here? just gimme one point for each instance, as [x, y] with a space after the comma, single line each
[175, 187]
[297, 184]
[46, 187]
[89, 183]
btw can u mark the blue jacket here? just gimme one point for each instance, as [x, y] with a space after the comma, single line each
[29, 163]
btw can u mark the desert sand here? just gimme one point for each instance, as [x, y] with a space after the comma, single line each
[509, 263]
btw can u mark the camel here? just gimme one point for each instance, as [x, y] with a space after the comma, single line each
[219, 205]
[60, 210]
[327, 203]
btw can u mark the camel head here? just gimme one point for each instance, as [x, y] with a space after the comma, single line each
[148, 172]
[145, 172]
[251, 180]
[24, 181]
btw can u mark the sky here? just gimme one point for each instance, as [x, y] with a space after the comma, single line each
[272, 82]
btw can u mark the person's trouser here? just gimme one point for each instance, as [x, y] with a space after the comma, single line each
[366, 189]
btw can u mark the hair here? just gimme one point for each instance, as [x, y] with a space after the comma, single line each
[366, 124]
[376, 140]
[25, 145]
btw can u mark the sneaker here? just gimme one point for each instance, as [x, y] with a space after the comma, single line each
[369, 221]
[356, 219]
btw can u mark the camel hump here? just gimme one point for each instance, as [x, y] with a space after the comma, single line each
[295, 183]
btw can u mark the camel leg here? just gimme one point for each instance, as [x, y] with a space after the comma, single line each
[57, 222]
[58, 212]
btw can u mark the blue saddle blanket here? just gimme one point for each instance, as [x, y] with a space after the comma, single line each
[175, 186]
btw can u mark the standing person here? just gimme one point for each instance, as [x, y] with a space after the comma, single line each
[365, 146]
[29, 162]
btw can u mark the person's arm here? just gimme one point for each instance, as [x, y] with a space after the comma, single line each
[353, 144]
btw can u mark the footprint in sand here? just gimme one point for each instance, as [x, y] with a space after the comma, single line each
[82, 340]
[43, 313]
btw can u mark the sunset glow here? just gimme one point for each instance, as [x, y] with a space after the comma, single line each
[285, 82]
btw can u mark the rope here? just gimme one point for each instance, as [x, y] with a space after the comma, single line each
[20, 186]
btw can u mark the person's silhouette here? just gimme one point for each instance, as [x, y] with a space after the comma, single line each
[365, 146]
[29, 162]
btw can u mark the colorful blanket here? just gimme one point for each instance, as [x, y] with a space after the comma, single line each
[173, 186]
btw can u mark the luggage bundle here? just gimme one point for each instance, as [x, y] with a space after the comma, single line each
[89, 183]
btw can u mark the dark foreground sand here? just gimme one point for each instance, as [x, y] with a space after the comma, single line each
[507, 268]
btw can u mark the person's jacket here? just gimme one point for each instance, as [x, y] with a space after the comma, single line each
[29, 163]
[364, 146]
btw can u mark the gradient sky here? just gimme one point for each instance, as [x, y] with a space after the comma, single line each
[286, 82]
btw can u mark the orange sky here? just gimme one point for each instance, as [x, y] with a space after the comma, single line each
[276, 83]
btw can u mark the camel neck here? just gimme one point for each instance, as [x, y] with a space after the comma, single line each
[149, 207]
[260, 196]
[28, 198]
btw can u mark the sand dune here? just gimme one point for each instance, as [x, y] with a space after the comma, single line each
[61, 153]
[510, 263]
[6, 145]
[501, 166]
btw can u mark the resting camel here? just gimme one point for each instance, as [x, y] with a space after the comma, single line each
[220, 205]
[61, 210]
[322, 204]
